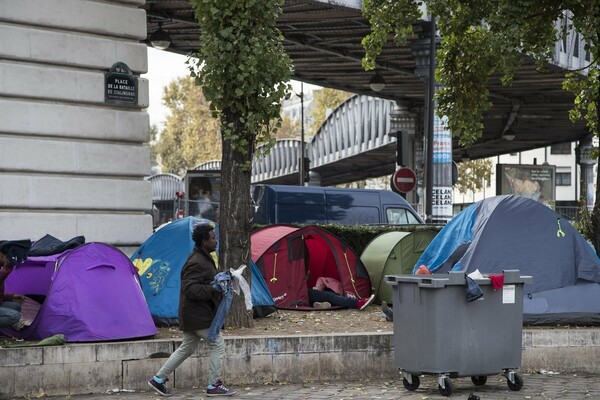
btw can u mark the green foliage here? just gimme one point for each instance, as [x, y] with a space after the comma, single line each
[482, 38]
[191, 134]
[473, 175]
[584, 220]
[359, 236]
[387, 18]
[242, 67]
[587, 96]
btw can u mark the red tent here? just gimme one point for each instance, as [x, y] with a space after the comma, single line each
[284, 253]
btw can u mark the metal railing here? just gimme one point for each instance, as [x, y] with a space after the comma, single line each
[571, 213]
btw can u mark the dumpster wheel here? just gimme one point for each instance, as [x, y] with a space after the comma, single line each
[445, 386]
[514, 381]
[412, 384]
[479, 380]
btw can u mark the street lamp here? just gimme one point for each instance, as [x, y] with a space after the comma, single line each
[302, 166]
[377, 83]
[508, 135]
[160, 39]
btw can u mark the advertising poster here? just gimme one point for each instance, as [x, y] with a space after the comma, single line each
[441, 196]
[203, 193]
[535, 182]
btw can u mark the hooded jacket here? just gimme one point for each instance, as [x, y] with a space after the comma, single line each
[198, 300]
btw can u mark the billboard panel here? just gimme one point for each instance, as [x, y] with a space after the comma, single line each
[202, 193]
[535, 182]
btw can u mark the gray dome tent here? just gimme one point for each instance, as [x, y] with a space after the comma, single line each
[514, 232]
[393, 253]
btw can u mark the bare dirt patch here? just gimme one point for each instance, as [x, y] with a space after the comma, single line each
[286, 322]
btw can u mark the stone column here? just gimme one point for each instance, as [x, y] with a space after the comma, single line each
[438, 144]
[586, 164]
[71, 162]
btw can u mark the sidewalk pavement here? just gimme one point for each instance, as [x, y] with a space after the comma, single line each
[536, 386]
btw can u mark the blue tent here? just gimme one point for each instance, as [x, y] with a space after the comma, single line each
[159, 261]
[513, 232]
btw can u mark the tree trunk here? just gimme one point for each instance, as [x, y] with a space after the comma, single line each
[234, 217]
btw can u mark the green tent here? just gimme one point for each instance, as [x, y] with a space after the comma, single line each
[393, 253]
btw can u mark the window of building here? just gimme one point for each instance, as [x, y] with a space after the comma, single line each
[561, 148]
[563, 179]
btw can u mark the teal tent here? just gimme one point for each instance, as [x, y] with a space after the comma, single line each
[159, 261]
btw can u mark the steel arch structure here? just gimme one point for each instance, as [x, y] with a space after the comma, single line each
[279, 165]
[352, 144]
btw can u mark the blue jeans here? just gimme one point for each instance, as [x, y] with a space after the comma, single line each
[188, 346]
[333, 298]
[222, 311]
[10, 313]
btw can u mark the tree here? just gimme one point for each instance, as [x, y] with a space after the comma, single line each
[482, 38]
[242, 67]
[323, 100]
[473, 175]
[191, 134]
[154, 156]
[289, 129]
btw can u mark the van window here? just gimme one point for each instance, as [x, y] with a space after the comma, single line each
[300, 213]
[400, 216]
[352, 215]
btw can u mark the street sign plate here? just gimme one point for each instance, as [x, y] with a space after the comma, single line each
[404, 180]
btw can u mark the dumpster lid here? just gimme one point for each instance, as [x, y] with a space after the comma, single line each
[511, 276]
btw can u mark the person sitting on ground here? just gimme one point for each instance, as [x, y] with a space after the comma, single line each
[10, 303]
[323, 295]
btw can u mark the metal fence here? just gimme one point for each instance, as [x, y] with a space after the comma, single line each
[570, 213]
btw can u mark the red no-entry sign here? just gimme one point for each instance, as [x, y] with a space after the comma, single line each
[404, 180]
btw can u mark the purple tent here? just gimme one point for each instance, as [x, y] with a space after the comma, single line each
[91, 293]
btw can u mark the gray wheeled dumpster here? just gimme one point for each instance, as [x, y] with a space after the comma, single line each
[436, 331]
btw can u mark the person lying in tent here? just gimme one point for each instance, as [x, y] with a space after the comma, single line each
[11, 253]
[324, 295]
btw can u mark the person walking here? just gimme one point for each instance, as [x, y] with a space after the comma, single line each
[198, 304]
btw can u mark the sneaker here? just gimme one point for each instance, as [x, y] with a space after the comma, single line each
[321, 305]
[160, 388]
[363, 303]
[219, 390]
